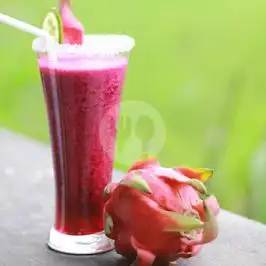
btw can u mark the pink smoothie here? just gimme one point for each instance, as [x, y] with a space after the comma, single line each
[82, 97]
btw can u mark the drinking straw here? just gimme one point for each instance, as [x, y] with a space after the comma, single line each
[23, 26]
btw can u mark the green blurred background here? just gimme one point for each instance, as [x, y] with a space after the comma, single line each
[200, 64]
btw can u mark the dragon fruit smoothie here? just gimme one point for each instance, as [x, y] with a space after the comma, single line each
[86, 91]
[82, 77]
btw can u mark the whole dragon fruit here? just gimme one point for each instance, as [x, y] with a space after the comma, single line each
[160, 214]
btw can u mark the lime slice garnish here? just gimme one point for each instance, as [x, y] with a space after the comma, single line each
[52, 23]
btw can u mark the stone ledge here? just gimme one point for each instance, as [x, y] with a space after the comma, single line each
[26, 211]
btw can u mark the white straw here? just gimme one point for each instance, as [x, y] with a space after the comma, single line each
[21, 25]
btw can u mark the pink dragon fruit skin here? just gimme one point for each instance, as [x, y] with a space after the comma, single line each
[73, 30]
[157, 212]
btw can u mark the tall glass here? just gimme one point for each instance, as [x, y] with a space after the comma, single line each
[82, 88]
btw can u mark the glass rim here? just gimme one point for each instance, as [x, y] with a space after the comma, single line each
[94, 44]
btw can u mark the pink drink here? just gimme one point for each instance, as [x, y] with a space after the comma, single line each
[82, 86]
[82, 97]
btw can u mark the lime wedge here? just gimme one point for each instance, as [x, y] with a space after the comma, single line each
[52, 23]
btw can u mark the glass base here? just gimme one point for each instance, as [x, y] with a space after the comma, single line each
[79, 245]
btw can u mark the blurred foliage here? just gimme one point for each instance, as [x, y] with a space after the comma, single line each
[201, 64]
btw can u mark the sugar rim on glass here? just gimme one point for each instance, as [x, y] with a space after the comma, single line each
[98, 44]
